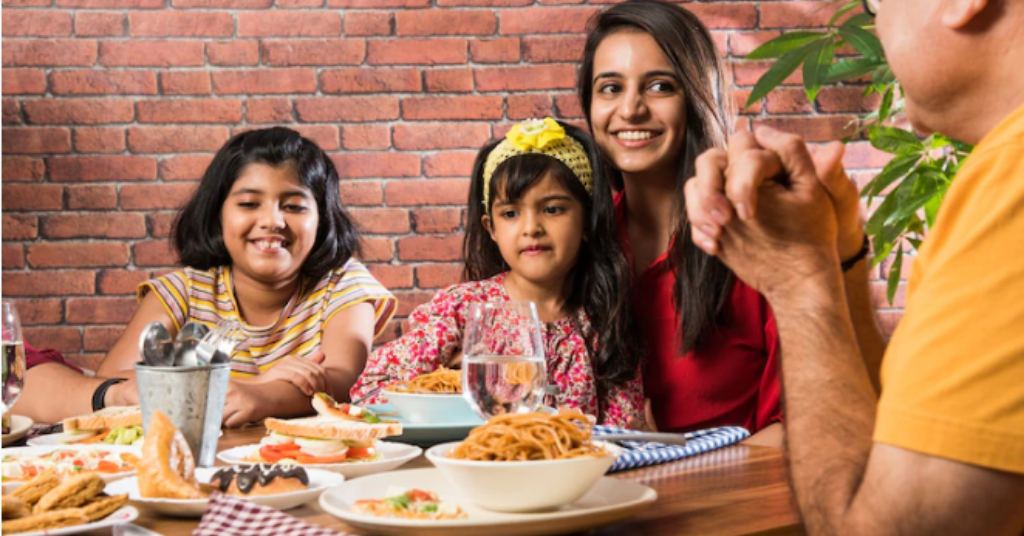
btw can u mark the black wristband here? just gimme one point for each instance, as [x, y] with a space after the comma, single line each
[100, 393]
[849, 263]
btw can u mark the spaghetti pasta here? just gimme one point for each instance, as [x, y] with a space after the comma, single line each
[528, 437]
[441, 381]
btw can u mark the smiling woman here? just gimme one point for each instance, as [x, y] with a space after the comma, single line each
[653, 89]
[267, 243]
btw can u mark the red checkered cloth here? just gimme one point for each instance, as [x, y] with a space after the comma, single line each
[232, 516]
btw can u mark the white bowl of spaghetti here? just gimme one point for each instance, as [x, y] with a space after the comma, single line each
[433, 398]
[526, 463]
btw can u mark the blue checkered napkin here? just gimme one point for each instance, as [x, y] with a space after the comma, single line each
[642, 454]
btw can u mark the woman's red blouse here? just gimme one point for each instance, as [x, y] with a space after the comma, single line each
[731, 379]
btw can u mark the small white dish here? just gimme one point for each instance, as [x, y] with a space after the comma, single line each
[11, 455]
[419, 408]
[121, 516]
[393, 455]
[318, 482]
[529, 486]
[608, 501]
[20, 426]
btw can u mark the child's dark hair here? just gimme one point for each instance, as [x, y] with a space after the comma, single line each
[601, 279]
[197, 235]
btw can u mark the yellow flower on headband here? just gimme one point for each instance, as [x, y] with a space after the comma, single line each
[542, 136]
[534, 134]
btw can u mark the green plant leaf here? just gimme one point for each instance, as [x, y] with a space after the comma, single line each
[849, 6]
[860, 19]
[783, 44]
[931, 208]
[883, 75]
[914, 242]
[885, 106]
[850, 69]
[894, 275]
[778, 72]
[864, 41]
[816, 67]
[896, 169]
[895, 140]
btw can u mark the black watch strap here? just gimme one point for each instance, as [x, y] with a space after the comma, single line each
[100, 394]
[864, 248]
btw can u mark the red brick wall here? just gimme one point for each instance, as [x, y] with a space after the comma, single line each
[112, 109]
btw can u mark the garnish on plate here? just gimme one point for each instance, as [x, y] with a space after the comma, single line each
[409, 504]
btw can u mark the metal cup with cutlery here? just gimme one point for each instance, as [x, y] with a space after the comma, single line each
[187, 380]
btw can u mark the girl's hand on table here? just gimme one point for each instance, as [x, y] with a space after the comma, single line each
[242, 404]
[647, 424]
[306, 373]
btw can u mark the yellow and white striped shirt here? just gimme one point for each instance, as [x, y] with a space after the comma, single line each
[208, 297]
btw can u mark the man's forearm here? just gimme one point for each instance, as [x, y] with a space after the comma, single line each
[830, 403]
[865, 320]
[37, 399]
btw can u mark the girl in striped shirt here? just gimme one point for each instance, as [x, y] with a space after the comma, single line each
[266, 242]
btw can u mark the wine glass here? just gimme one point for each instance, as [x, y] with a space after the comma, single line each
[503, 369]
[14, 355]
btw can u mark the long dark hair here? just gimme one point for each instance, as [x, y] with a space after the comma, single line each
[703, 282]
[197, 235]
[601, 280]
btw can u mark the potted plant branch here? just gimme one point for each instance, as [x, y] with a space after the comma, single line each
[914, 183]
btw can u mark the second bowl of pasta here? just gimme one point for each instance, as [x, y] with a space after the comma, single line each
[433, 398]
[526, 463]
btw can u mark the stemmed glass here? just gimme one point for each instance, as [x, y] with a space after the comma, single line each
[503, 368]
[14, 355]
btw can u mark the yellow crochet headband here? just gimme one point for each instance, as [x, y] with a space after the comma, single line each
[544, 136]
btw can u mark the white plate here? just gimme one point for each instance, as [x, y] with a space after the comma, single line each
[318, 481]
[20, 425]
[394, 455]
[610, 500]
[121, 516]
[37, 451]
[426, 434]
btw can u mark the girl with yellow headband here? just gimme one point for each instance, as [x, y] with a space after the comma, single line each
[540, 228]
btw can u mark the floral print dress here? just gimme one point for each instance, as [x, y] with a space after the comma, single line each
[434, 337]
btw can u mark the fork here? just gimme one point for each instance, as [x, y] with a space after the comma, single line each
[207, 346]
[230, 339]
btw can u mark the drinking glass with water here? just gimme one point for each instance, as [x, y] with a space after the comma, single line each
[503, 367]
[14, 355]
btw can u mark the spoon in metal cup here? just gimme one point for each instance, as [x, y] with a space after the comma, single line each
[155, 345]
[185, 344]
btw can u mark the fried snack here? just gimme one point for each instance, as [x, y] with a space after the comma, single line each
[73, 492]
[34, 489]
[103, 506]
[14, 508]
[45, 521]
[167, 470]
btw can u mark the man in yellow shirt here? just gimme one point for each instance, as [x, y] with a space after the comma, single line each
[934, 444]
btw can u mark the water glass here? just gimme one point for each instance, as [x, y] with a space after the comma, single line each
[503, 366]
[14, 355]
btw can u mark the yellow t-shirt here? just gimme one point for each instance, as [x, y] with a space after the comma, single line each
[208, 296]
[953, 374]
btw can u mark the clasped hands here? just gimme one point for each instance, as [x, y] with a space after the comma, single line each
[773, 212]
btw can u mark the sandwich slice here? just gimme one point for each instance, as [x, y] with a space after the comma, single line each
[339, 433]
[116, 425]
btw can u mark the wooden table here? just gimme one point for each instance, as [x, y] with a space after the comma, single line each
[735, 490]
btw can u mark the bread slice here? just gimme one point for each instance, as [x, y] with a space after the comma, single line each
[321, 427]
[105, 419]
